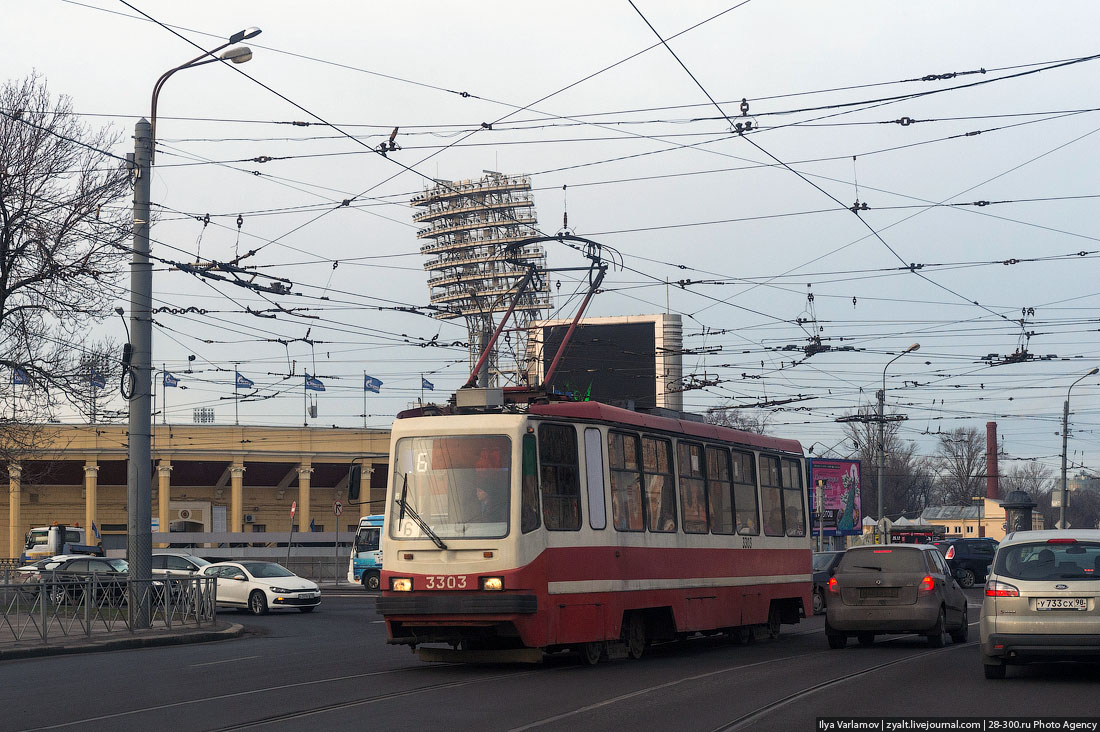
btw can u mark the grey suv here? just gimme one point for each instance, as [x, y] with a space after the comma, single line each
[897, 588]
[1042, 600]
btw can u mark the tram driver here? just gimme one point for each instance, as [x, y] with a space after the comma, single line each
[490, 488]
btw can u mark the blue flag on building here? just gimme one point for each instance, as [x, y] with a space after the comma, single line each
[314, 384]
[97, 379]
[95, 530]
[19, 376]
[372, 384]
[243, 382]
[425, 384]
[312, 525]
[170, 380]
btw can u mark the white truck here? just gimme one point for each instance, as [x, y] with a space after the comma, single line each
[46, 541]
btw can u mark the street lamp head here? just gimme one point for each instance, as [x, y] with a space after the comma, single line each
[1094, 371]
[238, 55]
[910, 349]
[244, 35]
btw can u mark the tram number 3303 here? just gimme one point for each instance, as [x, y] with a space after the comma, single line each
[445, 582]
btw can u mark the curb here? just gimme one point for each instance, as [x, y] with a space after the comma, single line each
[163, 638]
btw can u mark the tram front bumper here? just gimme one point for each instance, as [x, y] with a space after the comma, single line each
[483, 604]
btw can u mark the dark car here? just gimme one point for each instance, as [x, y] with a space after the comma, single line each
[969, 559]
[899, 588]
[824, 564]
[65, 579]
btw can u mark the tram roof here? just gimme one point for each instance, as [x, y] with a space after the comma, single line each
[606, 413]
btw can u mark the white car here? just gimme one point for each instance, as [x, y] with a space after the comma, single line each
[260, 586]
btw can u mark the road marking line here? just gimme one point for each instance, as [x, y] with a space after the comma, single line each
[228, 660]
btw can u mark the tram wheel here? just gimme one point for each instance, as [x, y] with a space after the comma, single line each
[635, 635]
[593, 652]
[773, 622]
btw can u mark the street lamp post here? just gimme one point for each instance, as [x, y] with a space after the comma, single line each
[139, 546]
[1065, 433]
[882, 439]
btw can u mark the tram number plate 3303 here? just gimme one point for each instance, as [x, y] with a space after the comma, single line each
[1061, 603]
[445, 582]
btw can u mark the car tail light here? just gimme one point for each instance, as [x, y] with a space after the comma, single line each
[881, 551]
[1061, 541]
[950, 553]
[993, 588]
[927, 584]
[834, 588]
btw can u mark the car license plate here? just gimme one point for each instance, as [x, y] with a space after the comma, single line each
[1061, 603]
[307, 595]
[878, 592]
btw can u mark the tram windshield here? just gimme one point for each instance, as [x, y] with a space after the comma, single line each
[458, 484]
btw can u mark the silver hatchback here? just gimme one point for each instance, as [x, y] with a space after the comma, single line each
[897, 588]
[1042, 600]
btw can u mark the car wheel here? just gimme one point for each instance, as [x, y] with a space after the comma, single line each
[371, 580]
[836, 640]
[866, 639]
[819, 602]
[966, 578]
[935, 637]
[257, 603]
[307, 609]
[57, 594]
[960, 635]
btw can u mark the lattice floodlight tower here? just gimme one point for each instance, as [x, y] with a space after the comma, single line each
[468, 225]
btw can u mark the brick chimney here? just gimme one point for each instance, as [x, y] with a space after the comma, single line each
[991, 474]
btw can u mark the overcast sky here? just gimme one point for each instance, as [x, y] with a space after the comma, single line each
[583, 95]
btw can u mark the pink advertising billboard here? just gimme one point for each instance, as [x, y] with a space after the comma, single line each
[841, 482]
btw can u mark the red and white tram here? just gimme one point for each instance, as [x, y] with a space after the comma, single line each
[587, 527]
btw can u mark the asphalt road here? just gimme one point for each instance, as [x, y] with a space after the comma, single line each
[331, 670]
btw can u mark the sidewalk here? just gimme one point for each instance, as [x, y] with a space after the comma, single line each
[104, 640]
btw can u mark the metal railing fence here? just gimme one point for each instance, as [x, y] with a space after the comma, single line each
[50, 607]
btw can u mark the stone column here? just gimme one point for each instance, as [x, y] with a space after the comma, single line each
[304, 471]
[164, 496]
[91, 484]
[15, 505]
[236, 501]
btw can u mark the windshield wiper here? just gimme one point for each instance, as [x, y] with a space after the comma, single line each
[406, 508]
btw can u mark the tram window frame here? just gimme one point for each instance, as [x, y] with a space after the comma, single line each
[771, 495]
[530, 509]
[626, 481]
[747, 518]
[565, 474]
[793, 503]
[691, 469]
[594, 475]
[659, 485]
[720, 503]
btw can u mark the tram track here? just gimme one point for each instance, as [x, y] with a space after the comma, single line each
[747, 720]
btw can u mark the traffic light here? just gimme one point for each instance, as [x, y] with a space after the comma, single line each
[355, 476]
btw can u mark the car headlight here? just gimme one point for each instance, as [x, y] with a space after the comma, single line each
[494, 584]
[281, 590]
[401, 584]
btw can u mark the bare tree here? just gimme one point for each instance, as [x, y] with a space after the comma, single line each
[62, 226]
[739, 419]
[907, 484]
[1032, 477]
[961, 458]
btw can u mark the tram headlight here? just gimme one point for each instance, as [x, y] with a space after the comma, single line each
[401, 584]
[492, 584]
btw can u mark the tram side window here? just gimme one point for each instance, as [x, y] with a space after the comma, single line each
[660, 490]
[771, 495]
[593, 461]
[744, 493]
[623, 454]
[530, 485]
[560, 473]
[719, 490]
[795, 517]
[693, 497]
